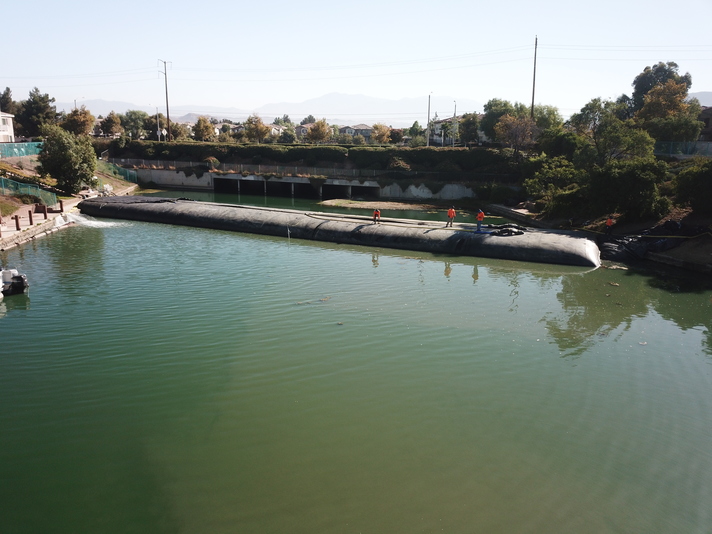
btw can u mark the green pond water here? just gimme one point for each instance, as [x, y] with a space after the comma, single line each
[178, 380]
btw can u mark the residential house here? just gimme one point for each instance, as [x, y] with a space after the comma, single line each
[438, 137]
[7, 131]
[436, 131]
[276, 129]
[302, 129]
[347, 130]
[362, 129]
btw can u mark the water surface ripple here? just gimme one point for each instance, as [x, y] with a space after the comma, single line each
[169, 379]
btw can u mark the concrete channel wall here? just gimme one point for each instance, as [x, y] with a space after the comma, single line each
[299, 186]
[28, 234]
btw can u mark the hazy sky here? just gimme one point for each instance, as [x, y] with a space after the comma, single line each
[245, 54]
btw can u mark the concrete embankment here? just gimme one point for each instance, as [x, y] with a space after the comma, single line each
[462, 240]
[39, 230]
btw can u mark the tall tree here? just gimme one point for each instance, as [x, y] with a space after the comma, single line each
[7, 104]
[667, 114]
[416, 130]
[547, 117]
[203, 130]
[663, 101]
[179, 131]
[284, 120]
[309, 119]
[152, 124]
[494, 110]
[469, 128]
[319, 132]
[111, 125]
[656, 75]
[35, 112]
[381, 133]
[445, 129]
[79, 121]
[133, 122]
[561, 142]
[517, 132]
[67, 158]
[626, 108]
[609, 137]
[396, 135]
[255, 129]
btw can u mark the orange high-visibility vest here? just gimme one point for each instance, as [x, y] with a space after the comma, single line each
[451, 213]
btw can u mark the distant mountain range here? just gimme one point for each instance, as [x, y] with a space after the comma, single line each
[336, 108]
[705, 97]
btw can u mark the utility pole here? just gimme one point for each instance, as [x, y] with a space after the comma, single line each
[427, 128]
[454, 124]
[536, 41]
[168, 113]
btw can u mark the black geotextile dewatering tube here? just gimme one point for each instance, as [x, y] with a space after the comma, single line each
[564, 248]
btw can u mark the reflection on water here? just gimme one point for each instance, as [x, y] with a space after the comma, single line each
[13, 303]
[174, 379]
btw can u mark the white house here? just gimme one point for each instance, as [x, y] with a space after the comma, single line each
[7, 132]
[276, 129]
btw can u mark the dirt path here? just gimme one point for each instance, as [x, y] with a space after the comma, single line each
[383, 205]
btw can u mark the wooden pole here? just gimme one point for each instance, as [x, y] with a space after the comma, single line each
[536, 41]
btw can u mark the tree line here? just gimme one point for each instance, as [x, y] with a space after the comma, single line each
[598, 161]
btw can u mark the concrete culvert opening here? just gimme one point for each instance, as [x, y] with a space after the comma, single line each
[365, 191]
[329, 191]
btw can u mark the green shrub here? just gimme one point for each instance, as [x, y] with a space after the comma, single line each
[28, 199]
[694, 186]
[212, 162]
[370, 157]
[629, 187]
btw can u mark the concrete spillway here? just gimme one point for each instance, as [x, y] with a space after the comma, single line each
[462, 240]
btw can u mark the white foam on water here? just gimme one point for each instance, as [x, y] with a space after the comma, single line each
[85, 220]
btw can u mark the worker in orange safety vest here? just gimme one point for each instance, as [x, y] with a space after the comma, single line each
[609, 225]
[480, 218]
[450, 216]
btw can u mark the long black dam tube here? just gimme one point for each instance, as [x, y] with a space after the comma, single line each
[563, 248]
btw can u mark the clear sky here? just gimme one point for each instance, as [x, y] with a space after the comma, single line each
[246, 54]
